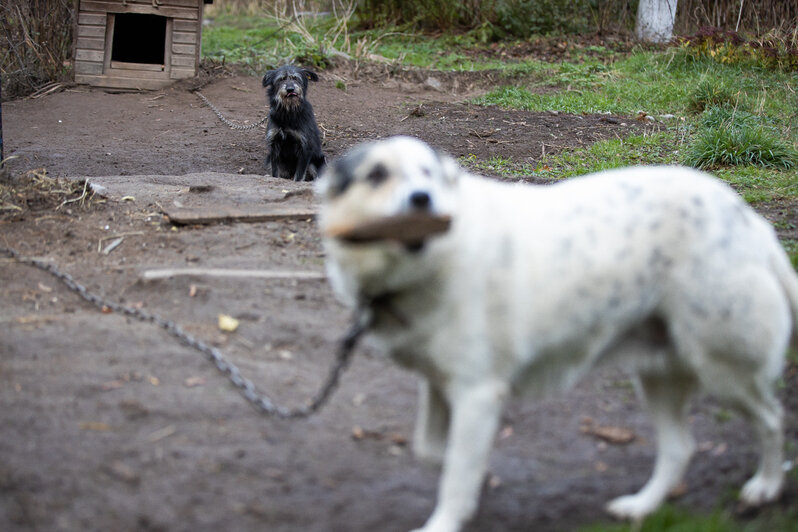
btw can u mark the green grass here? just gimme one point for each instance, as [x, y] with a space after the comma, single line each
[728, 145]
[656, 148]
[791, 247]
[657, 82]
[746, 133]
[250, 42]
[671, 519]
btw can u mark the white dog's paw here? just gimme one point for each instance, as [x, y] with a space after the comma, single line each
[440, 522]
[761, 489]
[631, 507]
[433, 528]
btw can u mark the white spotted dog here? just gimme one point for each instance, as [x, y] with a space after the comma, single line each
[663, 269]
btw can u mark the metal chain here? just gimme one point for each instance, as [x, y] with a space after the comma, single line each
[225, 121]
[247, 389]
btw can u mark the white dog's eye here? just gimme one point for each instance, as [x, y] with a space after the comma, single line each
[377, 175]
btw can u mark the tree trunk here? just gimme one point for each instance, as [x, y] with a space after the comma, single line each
[655, 20]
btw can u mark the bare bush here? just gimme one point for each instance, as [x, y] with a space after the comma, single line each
[36, 37]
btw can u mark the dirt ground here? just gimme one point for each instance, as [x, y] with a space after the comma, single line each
[110, 424]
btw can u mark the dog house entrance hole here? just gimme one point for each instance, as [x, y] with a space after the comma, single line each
[139, 39]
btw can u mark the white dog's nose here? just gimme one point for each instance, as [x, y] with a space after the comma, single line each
[420, 199]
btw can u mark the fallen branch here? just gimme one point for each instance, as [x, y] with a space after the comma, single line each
[166, 273]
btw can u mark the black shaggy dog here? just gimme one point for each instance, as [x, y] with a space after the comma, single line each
[293, 140]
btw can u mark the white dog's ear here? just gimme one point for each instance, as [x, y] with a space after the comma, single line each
[450, 170]
[340, 173]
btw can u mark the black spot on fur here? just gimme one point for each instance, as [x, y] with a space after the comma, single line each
[343, 170]
[378, 175]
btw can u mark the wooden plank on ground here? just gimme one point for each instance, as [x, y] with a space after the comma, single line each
[213, 215]
[167, 273]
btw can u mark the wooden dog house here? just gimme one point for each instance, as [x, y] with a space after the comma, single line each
[137, 44]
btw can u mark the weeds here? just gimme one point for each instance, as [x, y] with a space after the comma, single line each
[35, 191]
[776, 50]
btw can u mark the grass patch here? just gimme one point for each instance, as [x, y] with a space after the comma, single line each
[657, 148]
[791, 247]
[498, 166]
[247, 41]
[745, 133]
[758, 185]
[711, 92]
[731, 137]
[729, 145]
[657, 82]
[672, 519]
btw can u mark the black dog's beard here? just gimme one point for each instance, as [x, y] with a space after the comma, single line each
[289, 100]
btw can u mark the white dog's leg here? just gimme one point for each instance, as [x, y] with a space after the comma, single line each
[766, 414]
[475, 419]
[432, 424]
[666, 398]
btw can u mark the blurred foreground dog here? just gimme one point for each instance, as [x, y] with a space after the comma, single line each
[293, 140]
[661, 269]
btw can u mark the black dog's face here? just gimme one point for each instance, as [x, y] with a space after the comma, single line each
[287, 86]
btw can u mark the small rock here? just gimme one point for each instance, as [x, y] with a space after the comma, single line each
[433, 83]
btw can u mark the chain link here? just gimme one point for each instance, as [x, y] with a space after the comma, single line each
[245, 387]
[225, 121]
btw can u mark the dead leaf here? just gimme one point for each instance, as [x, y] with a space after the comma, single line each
[123, 472]
[398, 439]
[192, 290]
[719, 449]
[678, 491]
[161, 433]
[44, 288]
[705, 446]
[228, 323]
[608, 433]
[359, 433]
[192, 382]
[506, 432]
[95, 426]
[112, 385]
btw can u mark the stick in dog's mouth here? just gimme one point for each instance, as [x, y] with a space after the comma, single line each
[412, 228]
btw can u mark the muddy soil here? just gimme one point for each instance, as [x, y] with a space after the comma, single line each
[111, 424]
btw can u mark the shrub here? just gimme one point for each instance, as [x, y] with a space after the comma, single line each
[776, 50]
[36, 38]
[497, 19]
